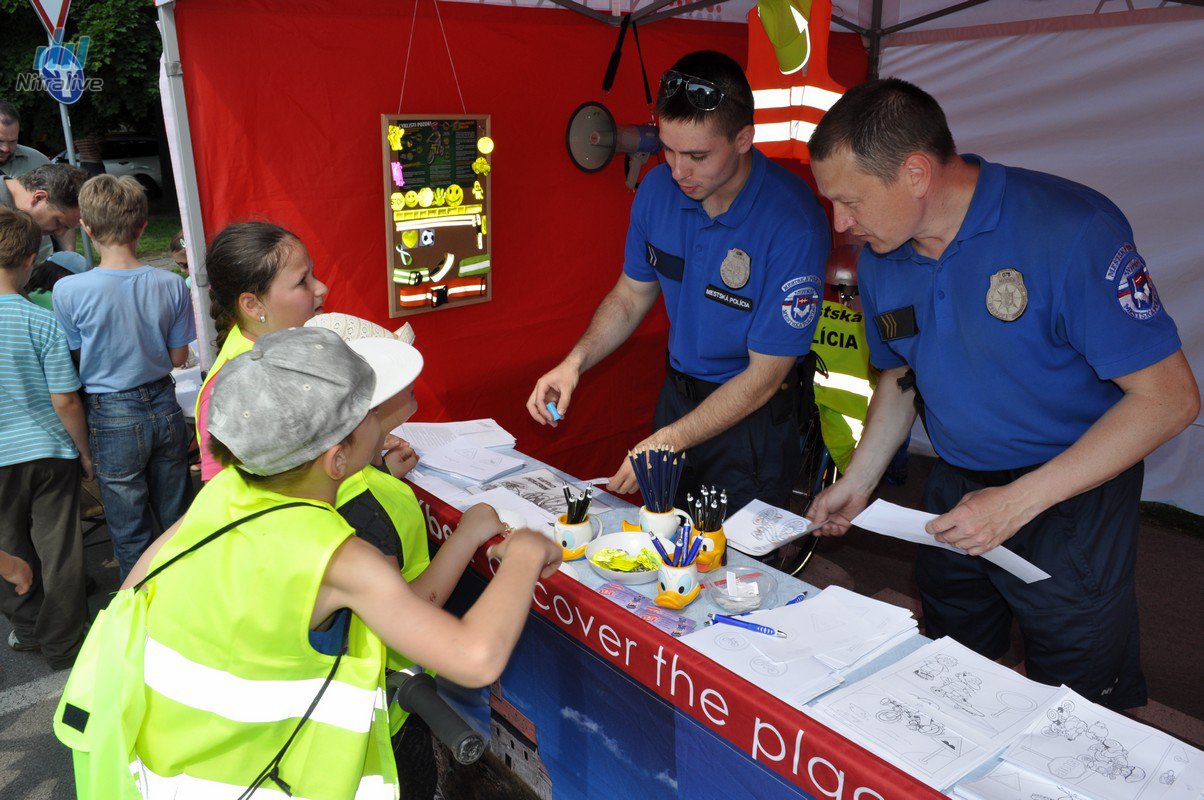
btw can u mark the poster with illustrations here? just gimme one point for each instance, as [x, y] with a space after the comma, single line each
[436, 180]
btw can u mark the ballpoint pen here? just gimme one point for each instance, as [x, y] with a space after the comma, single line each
[751, 626]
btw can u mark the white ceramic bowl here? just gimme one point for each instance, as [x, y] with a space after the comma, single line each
[632, 542]
[716, 586]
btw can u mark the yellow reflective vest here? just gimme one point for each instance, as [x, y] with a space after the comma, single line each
[229, 670]
[843, 395]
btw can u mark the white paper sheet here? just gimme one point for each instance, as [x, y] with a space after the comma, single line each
[835, 618]
[445, 490]
[908, 524]
[795, 681]
[1106, 756]
[546, 490]
[1009, 782]
[427, 436]
[531, 515]
[461, 457]
[759, 528]
[940, 713]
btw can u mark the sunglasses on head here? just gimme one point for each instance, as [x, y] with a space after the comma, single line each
[702, 94]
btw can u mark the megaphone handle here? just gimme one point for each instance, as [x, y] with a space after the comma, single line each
[417, 695]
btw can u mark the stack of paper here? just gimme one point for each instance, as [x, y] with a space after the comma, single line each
[939, 713]
[462, 457]
[827, 635]
[425, 437]
[1077, 749]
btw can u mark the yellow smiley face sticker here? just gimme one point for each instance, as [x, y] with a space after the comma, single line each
[485, 145]
[411, 198]
[454, 195]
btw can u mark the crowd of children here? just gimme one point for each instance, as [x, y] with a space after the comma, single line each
[290, 415]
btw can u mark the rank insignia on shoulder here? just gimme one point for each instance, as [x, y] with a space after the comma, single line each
[1007, 296]
[897, 324]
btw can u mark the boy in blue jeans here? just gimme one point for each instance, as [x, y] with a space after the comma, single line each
[43, 454]
[128, 325]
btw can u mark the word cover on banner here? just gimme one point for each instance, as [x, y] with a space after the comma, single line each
[908, 524]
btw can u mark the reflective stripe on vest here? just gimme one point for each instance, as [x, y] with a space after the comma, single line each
[208, 689]
[186, 787]
[786, 107]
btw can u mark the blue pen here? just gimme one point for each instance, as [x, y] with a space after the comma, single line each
[798, 599]
[551, 407]
[750, 626]
[694, 550]
[660, 550]
[676, 554]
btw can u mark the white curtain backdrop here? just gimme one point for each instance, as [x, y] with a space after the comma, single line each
[1121, 110]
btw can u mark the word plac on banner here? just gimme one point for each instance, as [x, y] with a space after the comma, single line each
[436, 178]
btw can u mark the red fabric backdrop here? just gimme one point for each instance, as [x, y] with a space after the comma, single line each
[284, 101]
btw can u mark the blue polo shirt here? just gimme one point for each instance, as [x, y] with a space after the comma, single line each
[775, 240]
[1036, 305]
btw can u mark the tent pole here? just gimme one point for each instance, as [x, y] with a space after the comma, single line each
[179, 139]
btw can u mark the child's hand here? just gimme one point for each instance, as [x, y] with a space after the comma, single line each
[480, 523]
[527, 539]
[17, 572]
[400, 457]
[85, 466]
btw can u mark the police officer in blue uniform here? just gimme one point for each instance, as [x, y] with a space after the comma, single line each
[737, 247]
[1018, 307]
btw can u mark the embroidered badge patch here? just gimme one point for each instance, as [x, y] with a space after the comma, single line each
[735, 268]
[1135, 291]
[802, 302]
[1007, 297]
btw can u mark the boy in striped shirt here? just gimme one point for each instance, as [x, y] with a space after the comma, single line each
[43, 454]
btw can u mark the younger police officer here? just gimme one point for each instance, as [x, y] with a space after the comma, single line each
[737, 245]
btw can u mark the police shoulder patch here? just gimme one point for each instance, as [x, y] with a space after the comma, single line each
[801, 301]
[1135, 290]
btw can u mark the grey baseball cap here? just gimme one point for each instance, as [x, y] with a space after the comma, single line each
[298, 392]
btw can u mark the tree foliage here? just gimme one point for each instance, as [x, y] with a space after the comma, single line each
[123, 51]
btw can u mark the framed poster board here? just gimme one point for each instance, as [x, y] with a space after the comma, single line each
[437, 193]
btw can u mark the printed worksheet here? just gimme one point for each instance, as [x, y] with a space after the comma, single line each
[546, 490]
[940, 712]
[1009, 782]
[1106, 756]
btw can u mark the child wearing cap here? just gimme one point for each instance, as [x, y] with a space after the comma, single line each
[43, 454]
[229, 666]
[129, 325]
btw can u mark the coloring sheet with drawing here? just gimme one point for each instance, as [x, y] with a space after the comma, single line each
[939, 713]
[546, 490]
[1106, 756]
